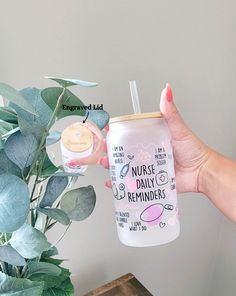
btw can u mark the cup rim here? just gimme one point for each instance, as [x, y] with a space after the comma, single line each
[136, 116]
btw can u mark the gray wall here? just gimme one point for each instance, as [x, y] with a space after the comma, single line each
[192, 45]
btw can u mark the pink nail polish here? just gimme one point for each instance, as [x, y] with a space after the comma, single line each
[72, 163]
[169, 95]
[107, 184]
[99, 160]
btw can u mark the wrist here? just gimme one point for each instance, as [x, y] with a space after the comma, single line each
[205, 171]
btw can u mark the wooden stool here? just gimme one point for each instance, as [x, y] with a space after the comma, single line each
[126, 285]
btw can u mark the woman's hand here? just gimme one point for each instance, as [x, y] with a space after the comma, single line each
[197, 167]
[190, 154]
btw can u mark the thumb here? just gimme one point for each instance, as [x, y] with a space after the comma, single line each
[176, 124]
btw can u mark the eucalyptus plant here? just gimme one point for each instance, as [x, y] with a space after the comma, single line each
[34, 193]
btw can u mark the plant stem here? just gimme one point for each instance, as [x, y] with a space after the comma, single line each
[46, 224]
[34, 213]
[32, 218]
[37, 162]
[37, 177]
[24, 271]
[35, 198]
[3, 267]
[50, 225]
[34, 187]
[17, 272]
[45, 134]
[61, 237]
[48, 220]
[5, 237]
[2, 237]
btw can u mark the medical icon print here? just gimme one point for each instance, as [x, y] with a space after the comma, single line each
[125, 169]
[154, 213]
[161, 178]
[143, 182]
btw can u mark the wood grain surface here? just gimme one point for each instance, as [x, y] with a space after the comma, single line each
[126, 285]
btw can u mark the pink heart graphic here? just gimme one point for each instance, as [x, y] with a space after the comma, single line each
[131, 184]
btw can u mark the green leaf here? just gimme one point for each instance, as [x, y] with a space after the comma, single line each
[65, 289]
[53, 282]
[8, 114]
[61, 173]
[28, 123]
[8, 134]
[21, 149]
[55, 187]
[11, 256]
[99, 117]
[4, 237]
[2, 144]
[52, 251]
[29, 242]
[49, 281]
[43, 267]
[48, 168]
[64, 82]
[7, 166]
[5, 126]
[79, 203]
[53, 137]
[14, 202]
[50, 96]
[53, 260]
[11, 286]
[26, 128]
[14, 96]
[3, 131]
[55, 214]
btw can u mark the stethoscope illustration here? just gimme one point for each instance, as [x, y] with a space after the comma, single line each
[121, 194]
[154, 212]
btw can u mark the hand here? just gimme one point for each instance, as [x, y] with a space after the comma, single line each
[190, 153]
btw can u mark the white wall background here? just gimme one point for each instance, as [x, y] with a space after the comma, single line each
[191, 44]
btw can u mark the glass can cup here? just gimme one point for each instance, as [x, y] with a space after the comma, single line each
[143, 179]
[76, 142]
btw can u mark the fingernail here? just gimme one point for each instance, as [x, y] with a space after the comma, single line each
[169, 95]
[72, 163]
[99, 160]
[107, 183]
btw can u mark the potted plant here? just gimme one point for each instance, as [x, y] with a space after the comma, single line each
[34, 193]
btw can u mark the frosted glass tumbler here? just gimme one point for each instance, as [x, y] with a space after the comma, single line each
[143, 179]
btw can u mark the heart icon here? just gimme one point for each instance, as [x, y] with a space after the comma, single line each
[130, 157]
[162, 224]
[131, 184]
